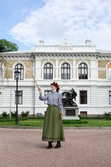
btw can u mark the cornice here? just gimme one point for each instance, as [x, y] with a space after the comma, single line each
[40, 55]
[16, 56]
[104, 56]
[65, 55]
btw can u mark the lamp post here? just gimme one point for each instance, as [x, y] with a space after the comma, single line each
[17, 73]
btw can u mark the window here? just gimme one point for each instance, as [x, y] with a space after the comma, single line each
[109, 71]
[65, 71]
[83, 71]
[18, 97]
[83, 97]
[83, 113]
[45, 93]
[48, 71]
[20, 68]
[1, 72]
[109, 97]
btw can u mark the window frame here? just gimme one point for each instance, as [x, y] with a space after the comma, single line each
[65, 71]
[48, 71]
[83, 96]
[83, 71]
[109, 97]
[19, 67]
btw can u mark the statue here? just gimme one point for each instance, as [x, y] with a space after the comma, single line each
[69, 97]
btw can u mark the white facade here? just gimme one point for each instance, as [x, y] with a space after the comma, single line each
[97, 85]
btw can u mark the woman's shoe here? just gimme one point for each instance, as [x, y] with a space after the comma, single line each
[49, 146]
[58, 145]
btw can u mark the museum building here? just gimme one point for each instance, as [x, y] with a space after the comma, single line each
[84, 68]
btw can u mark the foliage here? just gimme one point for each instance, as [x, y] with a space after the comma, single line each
[5, 114]
[32, 118]
[107, 115]
[13, 114]
[74, 122]
[104, 116]
[25, 114]
[92, 117]
[8, 46]
[79, 116]
[38, 122]
[1, 48]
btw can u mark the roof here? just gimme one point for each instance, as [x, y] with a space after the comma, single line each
[103, 51]
[63, 47]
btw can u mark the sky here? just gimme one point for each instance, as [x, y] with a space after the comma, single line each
[26, 22]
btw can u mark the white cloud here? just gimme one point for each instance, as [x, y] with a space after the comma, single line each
[75, 20]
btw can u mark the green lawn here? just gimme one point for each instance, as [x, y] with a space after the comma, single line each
[66, 123]
[37, 123]
[91, 123]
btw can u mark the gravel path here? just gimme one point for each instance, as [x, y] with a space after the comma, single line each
[82, 148]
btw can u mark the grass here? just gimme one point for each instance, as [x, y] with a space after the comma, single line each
[25, 121]
[38, 122]
[91, 123]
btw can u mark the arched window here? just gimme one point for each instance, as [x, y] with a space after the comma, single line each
[65, 71]
[109, 71]
[20, 68]
[48, 71]
[83, 71]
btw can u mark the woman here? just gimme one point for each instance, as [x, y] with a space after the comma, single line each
[53, 129]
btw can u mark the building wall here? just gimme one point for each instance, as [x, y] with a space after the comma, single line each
[9, 66]
[97, 85]
[7, 97]
[98, 96]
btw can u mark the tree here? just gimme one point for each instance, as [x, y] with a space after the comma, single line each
[7, 46]
[1, 48]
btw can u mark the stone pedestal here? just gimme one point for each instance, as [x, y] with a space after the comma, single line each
[71, 109]
[71, 113]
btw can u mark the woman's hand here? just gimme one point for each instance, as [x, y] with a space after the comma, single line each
[62, 114]
[39, 89]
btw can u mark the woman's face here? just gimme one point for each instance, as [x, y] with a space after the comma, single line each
[53, 88]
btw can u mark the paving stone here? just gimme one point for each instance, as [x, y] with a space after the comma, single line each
[82, 148]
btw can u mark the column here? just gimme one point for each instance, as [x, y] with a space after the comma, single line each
[57, 69]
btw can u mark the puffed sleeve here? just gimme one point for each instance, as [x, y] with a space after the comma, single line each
[60, 105]
[43, 98]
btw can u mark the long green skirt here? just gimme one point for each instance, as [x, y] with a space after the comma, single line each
[53, 128]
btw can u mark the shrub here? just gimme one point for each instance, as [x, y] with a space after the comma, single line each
[92, 117]
[13, 114]
[74, 122]
[79, 116]
[5, 114]
[25, 114]
[107, 115]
